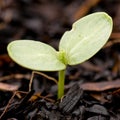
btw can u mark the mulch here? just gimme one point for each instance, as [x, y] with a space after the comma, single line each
[92, 89]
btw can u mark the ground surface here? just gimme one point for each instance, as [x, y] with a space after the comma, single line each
[92, 89]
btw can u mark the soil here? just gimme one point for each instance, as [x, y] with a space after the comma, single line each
[92, 89]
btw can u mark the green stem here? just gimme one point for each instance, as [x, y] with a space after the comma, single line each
[61, 81]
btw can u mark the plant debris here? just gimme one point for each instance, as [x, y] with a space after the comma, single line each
[101, 86]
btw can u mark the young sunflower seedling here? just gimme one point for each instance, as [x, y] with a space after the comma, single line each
[87, 36]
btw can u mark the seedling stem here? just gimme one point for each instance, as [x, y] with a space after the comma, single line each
[61, 80]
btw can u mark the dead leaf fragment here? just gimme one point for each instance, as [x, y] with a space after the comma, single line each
[8, 87]
[101, 86]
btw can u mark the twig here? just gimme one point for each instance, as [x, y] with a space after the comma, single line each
[42, 74]
[7, 106]
[84, 8]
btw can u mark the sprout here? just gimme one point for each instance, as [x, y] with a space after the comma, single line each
[87, 36]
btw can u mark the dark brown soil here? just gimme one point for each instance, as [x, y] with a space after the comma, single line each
[92, 89]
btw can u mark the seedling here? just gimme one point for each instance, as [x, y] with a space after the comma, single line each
[86, 38]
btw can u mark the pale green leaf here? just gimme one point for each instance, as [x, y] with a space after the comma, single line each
[86, 37]
[35, 55]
